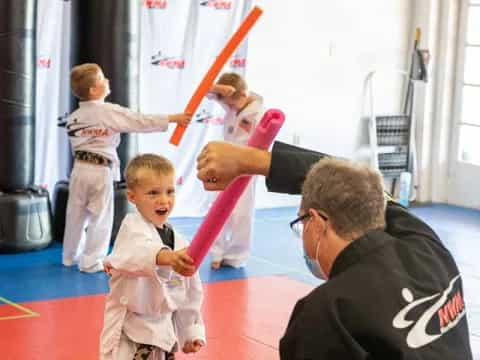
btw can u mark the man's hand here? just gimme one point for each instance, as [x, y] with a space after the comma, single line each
[180, 262]
[192, 346]
[181, 118]
[220, 162]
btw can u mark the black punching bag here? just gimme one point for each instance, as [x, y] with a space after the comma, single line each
[108, 33]
[25, 220]
[17, 91]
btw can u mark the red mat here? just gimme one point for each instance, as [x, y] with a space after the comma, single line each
[244, 320]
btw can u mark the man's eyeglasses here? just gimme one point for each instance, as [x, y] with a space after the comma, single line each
[297, 224]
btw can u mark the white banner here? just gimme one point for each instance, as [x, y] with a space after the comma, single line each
[179, 42]
[52, 91]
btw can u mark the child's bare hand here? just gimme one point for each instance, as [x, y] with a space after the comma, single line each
[223, 90]
[182, 263]
[179, 261]
[192, 346]
[181, 118]
[107, 267]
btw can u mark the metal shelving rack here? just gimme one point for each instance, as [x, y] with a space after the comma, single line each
[392, 135]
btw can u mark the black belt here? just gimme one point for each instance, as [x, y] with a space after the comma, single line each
[93, 158]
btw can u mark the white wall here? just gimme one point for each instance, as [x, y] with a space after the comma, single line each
[310, 59]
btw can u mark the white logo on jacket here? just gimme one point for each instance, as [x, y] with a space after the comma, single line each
[449, 313]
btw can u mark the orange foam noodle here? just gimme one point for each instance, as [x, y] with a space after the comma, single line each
[209, 78]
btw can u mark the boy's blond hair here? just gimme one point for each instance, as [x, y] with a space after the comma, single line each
[82, 78]
[234, 80]
[135, 170]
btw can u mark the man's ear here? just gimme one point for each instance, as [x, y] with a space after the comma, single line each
[317, 218]
[131, 196]
[313, 213]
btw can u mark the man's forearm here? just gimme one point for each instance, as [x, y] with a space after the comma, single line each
[255, 161]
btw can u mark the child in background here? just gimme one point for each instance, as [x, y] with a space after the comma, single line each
[151, 306]
[94, 132]
[244, 110]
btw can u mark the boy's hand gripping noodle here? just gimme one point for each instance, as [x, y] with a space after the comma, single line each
[214, 70]
[221, 209]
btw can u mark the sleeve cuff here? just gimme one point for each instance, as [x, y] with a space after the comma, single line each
[162, 271]
[192, 332]
[143, 263]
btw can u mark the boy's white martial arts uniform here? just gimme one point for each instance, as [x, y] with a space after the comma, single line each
[95, 127]
[147, 304]
[232, 246]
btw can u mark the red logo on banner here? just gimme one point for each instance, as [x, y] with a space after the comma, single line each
[44, 62]
[217, 4]
[180, 180]
[238, 62]
[155, 4]
[171, 62]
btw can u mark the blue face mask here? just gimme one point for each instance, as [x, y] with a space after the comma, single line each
[313, 265]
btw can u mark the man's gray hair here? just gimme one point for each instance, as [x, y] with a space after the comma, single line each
[350, 194]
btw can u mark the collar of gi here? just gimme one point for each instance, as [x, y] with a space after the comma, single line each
[358, 249]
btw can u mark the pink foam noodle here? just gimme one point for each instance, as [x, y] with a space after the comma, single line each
[212, 225]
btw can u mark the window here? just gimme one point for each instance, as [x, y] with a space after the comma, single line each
[469, 150]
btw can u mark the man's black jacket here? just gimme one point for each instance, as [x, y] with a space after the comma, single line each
[392, 294]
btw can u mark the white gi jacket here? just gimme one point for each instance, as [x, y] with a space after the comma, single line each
[151, 304]
[96, 126]
[239, 127]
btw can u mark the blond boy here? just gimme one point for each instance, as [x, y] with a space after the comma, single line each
[243, 111]
[155, 294]
[94, 132]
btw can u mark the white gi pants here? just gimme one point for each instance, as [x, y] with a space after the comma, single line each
[90, 200]
[232, 246]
